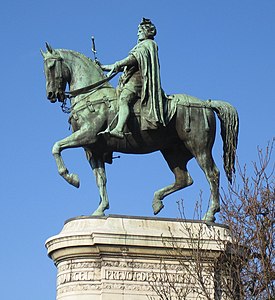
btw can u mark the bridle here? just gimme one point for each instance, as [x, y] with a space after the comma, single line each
[58, 73]
[58, 79]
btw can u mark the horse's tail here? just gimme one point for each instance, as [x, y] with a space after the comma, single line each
[229, 119]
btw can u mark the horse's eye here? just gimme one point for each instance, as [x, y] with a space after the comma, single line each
[51, 64]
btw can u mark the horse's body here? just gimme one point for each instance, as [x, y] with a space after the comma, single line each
[189, 133]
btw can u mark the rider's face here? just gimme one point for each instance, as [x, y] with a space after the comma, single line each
[141, 34]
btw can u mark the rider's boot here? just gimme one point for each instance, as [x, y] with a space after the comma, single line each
[123, 115]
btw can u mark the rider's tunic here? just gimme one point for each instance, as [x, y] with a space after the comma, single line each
[144, 79]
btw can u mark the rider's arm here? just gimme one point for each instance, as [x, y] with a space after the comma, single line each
[128, 61]
[119, 65]
[106, 67]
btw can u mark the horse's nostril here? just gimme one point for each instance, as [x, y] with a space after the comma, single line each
[50, 95]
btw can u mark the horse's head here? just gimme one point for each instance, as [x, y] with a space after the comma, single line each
[57, 74]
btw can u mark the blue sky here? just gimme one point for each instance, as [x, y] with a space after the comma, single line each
[209, 49]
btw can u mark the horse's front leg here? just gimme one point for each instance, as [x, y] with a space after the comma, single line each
[98, 167]
[77, 139]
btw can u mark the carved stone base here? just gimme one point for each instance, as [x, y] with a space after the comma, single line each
[119, 257]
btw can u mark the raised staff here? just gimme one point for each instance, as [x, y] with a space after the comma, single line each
[94, 49]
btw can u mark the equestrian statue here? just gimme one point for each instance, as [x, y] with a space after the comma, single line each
[137, 117]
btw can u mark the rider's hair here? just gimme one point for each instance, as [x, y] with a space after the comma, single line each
[148, 27]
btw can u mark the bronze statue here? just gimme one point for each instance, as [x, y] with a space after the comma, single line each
[185, 131]
[141, 78]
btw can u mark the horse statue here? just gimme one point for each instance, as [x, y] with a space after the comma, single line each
[189, 134]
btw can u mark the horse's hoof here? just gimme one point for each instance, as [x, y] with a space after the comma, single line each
[98, 213]
[73, 179]
[209, 218]
[157, 206]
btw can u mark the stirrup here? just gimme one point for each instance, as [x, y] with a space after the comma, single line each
[106, 131]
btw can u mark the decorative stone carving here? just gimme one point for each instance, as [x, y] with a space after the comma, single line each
[122, 258]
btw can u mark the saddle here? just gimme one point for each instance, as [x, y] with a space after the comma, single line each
[137, 112]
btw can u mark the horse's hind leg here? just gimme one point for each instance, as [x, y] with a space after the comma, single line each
[177, 160]
[206, 162]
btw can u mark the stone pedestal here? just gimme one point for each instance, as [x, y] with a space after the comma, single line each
[119, 257]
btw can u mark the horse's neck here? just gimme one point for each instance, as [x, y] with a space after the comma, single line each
[83, 74]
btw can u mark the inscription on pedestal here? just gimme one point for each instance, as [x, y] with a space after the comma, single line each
[92, 262]
[75, 276]
[89, 275]
[142, 276]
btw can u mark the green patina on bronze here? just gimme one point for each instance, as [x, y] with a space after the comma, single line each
[140, 79]
[182, 127]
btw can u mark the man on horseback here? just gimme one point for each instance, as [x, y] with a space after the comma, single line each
[140, 79]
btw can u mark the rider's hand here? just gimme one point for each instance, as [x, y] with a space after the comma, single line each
[114, 68]
[106, 67]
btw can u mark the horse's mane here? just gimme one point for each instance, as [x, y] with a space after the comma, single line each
[85, 58]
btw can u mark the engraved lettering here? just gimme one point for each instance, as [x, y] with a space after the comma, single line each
[75, 276]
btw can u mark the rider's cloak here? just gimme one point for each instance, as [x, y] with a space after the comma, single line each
[152, 99]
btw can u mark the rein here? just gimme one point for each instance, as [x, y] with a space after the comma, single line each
[89, 88]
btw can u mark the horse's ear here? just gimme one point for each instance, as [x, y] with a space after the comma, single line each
[43, 53]
[49, 48]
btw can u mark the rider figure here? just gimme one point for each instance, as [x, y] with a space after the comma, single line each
[141, 78]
